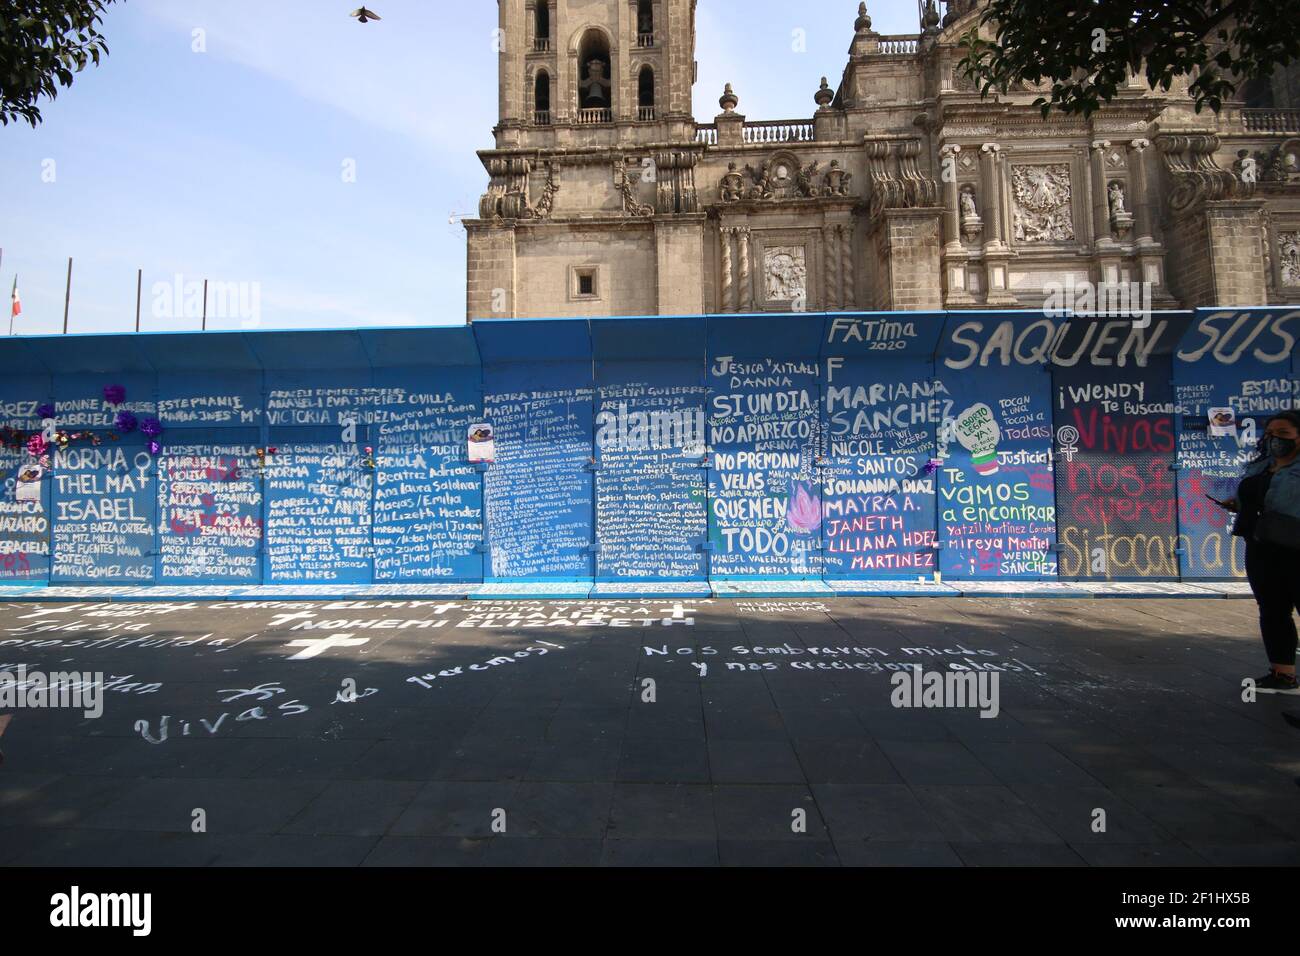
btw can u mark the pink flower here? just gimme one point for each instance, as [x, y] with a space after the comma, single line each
[803, 514]
[36, 446]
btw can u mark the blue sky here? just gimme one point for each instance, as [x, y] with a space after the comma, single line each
[229, 164]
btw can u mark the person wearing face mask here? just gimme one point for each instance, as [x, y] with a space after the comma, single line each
[1267, 506]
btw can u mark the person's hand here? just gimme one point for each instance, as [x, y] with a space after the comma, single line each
[1232, 505]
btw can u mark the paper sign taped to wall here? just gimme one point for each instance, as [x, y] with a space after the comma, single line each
[1223, 421]
[29, 483]
[482, 444]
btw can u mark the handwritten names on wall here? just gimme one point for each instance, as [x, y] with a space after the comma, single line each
[651, 490]
[104, 502]
[24, 525]
[808, 465]
[764, 426]
[210, 513]
[539, 493]
[1118, 514]
[998, 520]
[81, 413]
[318, 514]
[193, 410]
[428, 498]
[1211, 465]
[879, 497]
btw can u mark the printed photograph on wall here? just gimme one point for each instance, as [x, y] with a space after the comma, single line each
[482, 444]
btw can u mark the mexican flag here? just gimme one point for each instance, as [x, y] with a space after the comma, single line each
[18, 302]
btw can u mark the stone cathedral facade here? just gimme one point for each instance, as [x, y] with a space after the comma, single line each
[905, 190]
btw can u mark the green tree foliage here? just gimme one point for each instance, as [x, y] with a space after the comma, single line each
[1088, 48]
[43, 43]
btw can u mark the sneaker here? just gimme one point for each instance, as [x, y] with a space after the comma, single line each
[1276, 683]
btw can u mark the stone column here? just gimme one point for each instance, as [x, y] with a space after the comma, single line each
[830, 280]
[951, 207]
[996, 251]
[1141, 195]
[989, 177]
[746, 286]
[725, 300]
[955, 256]
[1150, 255]
[849, 294]
[1100, 207]
[564, 85]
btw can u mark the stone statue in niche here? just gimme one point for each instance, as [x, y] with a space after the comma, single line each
[732, 185]
[595, 88]
[1042, 203]
[971, 223]
[1121, 219]
[1115, 196]
[785, 273]
[1288, 247]
[968, 202]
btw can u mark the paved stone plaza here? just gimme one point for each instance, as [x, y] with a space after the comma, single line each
[410, 733]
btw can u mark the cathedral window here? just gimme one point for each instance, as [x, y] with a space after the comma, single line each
[542, 99]
[542, 27]
[645, 93]
[595, 92]
[645, 23]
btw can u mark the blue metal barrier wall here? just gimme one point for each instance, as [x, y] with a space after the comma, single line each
[963, 445]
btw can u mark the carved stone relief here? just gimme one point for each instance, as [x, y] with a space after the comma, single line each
[1279, 166]
[1042, 203]
[1195, 174]
[897, 181]
[1288, 249]
[624, 184]
[546, 204]
[731, 188]
[785, 273]
[675, 174]
[782, 176]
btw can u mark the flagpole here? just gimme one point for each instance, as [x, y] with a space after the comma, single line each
[11, 302]
[204, 327]
[139, 279]
[67, 297]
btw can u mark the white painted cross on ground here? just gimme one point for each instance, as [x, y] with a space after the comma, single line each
[316, 646]
[282, 619]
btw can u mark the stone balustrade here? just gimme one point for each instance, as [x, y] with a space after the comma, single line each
[1271, 121]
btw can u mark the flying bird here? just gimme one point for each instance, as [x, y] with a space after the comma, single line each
[364, 15]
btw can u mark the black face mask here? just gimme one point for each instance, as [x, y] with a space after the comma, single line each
[1279, 447]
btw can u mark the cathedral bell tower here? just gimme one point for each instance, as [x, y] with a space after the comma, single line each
[595, 72]
[591, 207]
